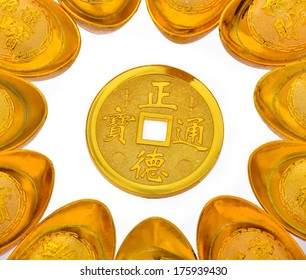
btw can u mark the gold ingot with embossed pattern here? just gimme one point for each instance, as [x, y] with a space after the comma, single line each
[155, 239]
[37, 38]
[232, 228]
[185, 21]
[277, 176]
[26, 185]
[265, 33]
[279, 98]
[80, 230]
[101, 15]
[154, 131]
[23, 111]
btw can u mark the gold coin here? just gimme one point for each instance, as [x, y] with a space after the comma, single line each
[101, 15]
[231, 228]
[26, 185]
[280, 100]
[155, 239]
[23, 111]
[277, 176]
[154, 131]
[80, 230]
[185, 21]
[36, 38]
[265, 32]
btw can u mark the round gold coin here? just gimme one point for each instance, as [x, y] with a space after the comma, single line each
[154, 131]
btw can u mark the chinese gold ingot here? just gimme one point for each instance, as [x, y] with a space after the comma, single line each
[231, 228]
[155, 239]
[279, 98]
[101, 15]
[185, 21]
[80, 230]
[23, 111]
[26, 185]
[154, 131]
[265, 33]
[277, 176]
[37, 38]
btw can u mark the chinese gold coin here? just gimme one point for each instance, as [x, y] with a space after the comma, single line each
[154, 131]
[265, 32]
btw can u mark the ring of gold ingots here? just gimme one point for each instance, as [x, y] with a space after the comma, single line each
[154, 131]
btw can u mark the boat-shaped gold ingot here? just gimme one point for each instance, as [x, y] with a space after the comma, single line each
[26, 185]
[101, 16]
[37, 38]
[277, 176]
[231, 228]
[23, 111]
[265, 33]
[80, 230]
[185, 21]
[155, 239]
[279, 98]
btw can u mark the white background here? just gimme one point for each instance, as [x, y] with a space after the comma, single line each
[102, 57]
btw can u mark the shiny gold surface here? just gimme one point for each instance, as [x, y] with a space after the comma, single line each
[23, 111]
[185, 21]
[36, 38]
[101, 15]
[131, 105]
[155, 239]
[26, 185]
[80, 230]
[280, 100]
[277, 176]
[231, 228]
[265, 32]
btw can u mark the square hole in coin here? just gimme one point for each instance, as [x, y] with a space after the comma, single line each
[154, 129]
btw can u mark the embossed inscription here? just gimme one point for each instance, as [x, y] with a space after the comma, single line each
[293, 190]
[25, 29]
[149, 166]
[97, 1]
[61, 246]
[193, 6]
[278, 24]
[12, 204]
[6, 111]
[252, 244]
[296, 100]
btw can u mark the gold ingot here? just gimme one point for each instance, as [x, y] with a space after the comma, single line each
[80, 230]
[265, 33]
[231, 228]
[37, 38]
[280, 100]
[154, 131]
[101, 15]
[23, 111]
[155, 239]
[277, 176]
[186, 21]
[26, 185]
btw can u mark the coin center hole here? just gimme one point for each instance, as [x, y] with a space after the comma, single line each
[155, 130]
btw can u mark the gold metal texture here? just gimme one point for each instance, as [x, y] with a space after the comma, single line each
[155, 239]
[277, 176]
[231, 228]
[101, 15]
[279, 98]
[80, 230]
[265, 33]
[37, 38]
[23, 111]
[185, 21]
[154, 131]
[26, 185]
